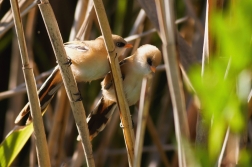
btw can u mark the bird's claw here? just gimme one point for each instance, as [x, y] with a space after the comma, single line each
[133, 124]
[79, 98]
[69, 61]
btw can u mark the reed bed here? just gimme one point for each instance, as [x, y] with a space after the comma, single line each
[175, 122]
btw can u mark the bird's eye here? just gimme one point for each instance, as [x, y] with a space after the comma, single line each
[149, 61]
[120, 44]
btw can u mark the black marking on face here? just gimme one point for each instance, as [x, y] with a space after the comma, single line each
[149, 61]
[120, 44]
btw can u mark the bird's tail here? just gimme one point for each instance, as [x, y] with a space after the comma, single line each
[100, 116]
[45, 94]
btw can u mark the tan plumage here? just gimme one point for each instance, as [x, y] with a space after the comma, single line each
[89, 62]
[134, 68]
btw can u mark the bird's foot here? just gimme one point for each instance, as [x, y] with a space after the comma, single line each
[78, 94]
[69, 61]
[133, 124]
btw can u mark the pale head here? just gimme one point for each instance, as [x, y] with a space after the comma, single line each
[120, 44]
[148, 57]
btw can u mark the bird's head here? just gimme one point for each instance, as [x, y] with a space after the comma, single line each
[149, 57]
[120, 44]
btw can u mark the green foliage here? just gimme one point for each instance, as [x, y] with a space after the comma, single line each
[13, 143]
[224, 87]
[120, 15]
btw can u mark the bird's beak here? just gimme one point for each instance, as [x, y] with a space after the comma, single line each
[128, 45]
[153, 69]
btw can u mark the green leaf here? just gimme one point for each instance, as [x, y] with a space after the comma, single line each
[13, 143]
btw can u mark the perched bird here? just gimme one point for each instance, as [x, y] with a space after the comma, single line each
[88, 61]
[134, 68]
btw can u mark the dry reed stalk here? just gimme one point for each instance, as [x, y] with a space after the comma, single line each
[146, 149]
[77, 158]
[167, 29]
[192, 14]
[107, 137]
[133, 37]
[115, 69]
[29, 36]
[223, 148]
[40, 138]
[7, 22]
[110, 130]
[164, 124]
[32, 153]
[86, 24]
[232, 150]
[79, 16]
[137, 41]
[63, 125]
[228, 137]
[79, 31]
[58, 124]
[157, 142]
[15, 78]
[137, 28]
[68, 78]
[144, 105]
[139, 21]
[21, 88]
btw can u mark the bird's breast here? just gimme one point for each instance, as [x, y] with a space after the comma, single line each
[132, 91]
[132, 88]
[88, 67]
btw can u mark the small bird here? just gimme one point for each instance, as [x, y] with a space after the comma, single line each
[88, 61]
[134, 68]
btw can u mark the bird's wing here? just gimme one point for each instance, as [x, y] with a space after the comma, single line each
[45, 93]
[100, 116]
[77, 45]
[108, 80]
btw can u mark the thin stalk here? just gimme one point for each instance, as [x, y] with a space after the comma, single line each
[68, 78]
[6, 23]
[61, 154]
[39, 132]
[143, 113]
[77, 158]
[57, 125]
[79, 16]
[164, 125]
[107, 139]
[156, 140]
[146, 149]
[167, 29]
[82, 33]
[192, 14]
[29, 36]
[121, 101]
[232, 150]
[137, 28]
[21, 88]
[137, 36]
[139, 21]
[223, 148]
[15, 78]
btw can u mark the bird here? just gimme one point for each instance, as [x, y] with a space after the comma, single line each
[133, 69]
[88, 61]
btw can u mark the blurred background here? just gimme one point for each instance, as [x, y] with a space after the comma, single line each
[126, 18]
